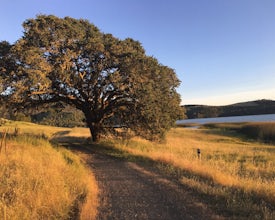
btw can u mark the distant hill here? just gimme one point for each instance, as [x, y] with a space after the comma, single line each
[257, 107]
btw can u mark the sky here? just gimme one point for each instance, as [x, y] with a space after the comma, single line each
[223, 51]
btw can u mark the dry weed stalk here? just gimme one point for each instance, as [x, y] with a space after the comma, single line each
[4, 140]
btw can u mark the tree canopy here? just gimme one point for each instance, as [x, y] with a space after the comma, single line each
[112, 81]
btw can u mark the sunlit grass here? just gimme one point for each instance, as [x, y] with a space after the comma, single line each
[39, 181]
[239, 173]
[30, 128]
[234, 175]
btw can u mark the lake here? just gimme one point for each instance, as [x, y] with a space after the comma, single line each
[232, 119]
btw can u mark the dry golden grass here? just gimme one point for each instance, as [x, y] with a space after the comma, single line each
[42, 182]
[234, 176]
[229, 168]
[33, 129]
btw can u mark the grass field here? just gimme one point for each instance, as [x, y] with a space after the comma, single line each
[233, 175]
[39, 181]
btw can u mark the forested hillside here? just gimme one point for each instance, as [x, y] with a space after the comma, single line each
[245, 108]
[54, 115]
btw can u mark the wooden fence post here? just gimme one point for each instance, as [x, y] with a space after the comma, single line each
[199, 153]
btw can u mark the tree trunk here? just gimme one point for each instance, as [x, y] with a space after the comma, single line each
[94, 124]
[95, 131]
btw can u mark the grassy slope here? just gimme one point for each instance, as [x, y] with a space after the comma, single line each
[42, 182]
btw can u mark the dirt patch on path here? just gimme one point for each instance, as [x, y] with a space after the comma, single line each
[129, 191]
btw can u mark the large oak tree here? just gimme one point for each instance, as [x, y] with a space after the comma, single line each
[112, 81]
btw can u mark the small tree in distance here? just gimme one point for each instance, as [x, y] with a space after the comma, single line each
[110, 80]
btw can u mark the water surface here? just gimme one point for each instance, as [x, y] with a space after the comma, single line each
[231, 119]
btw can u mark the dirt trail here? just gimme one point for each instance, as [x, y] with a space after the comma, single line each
[129, 191]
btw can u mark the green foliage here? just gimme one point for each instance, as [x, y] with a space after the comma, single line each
[22, 117]
[202, 111]
[108, 79]
[6, 62]
[55, 117]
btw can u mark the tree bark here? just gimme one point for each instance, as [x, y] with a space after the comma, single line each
[94, 125]
[95, 131]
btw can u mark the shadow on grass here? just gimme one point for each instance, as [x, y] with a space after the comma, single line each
[82, 144]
